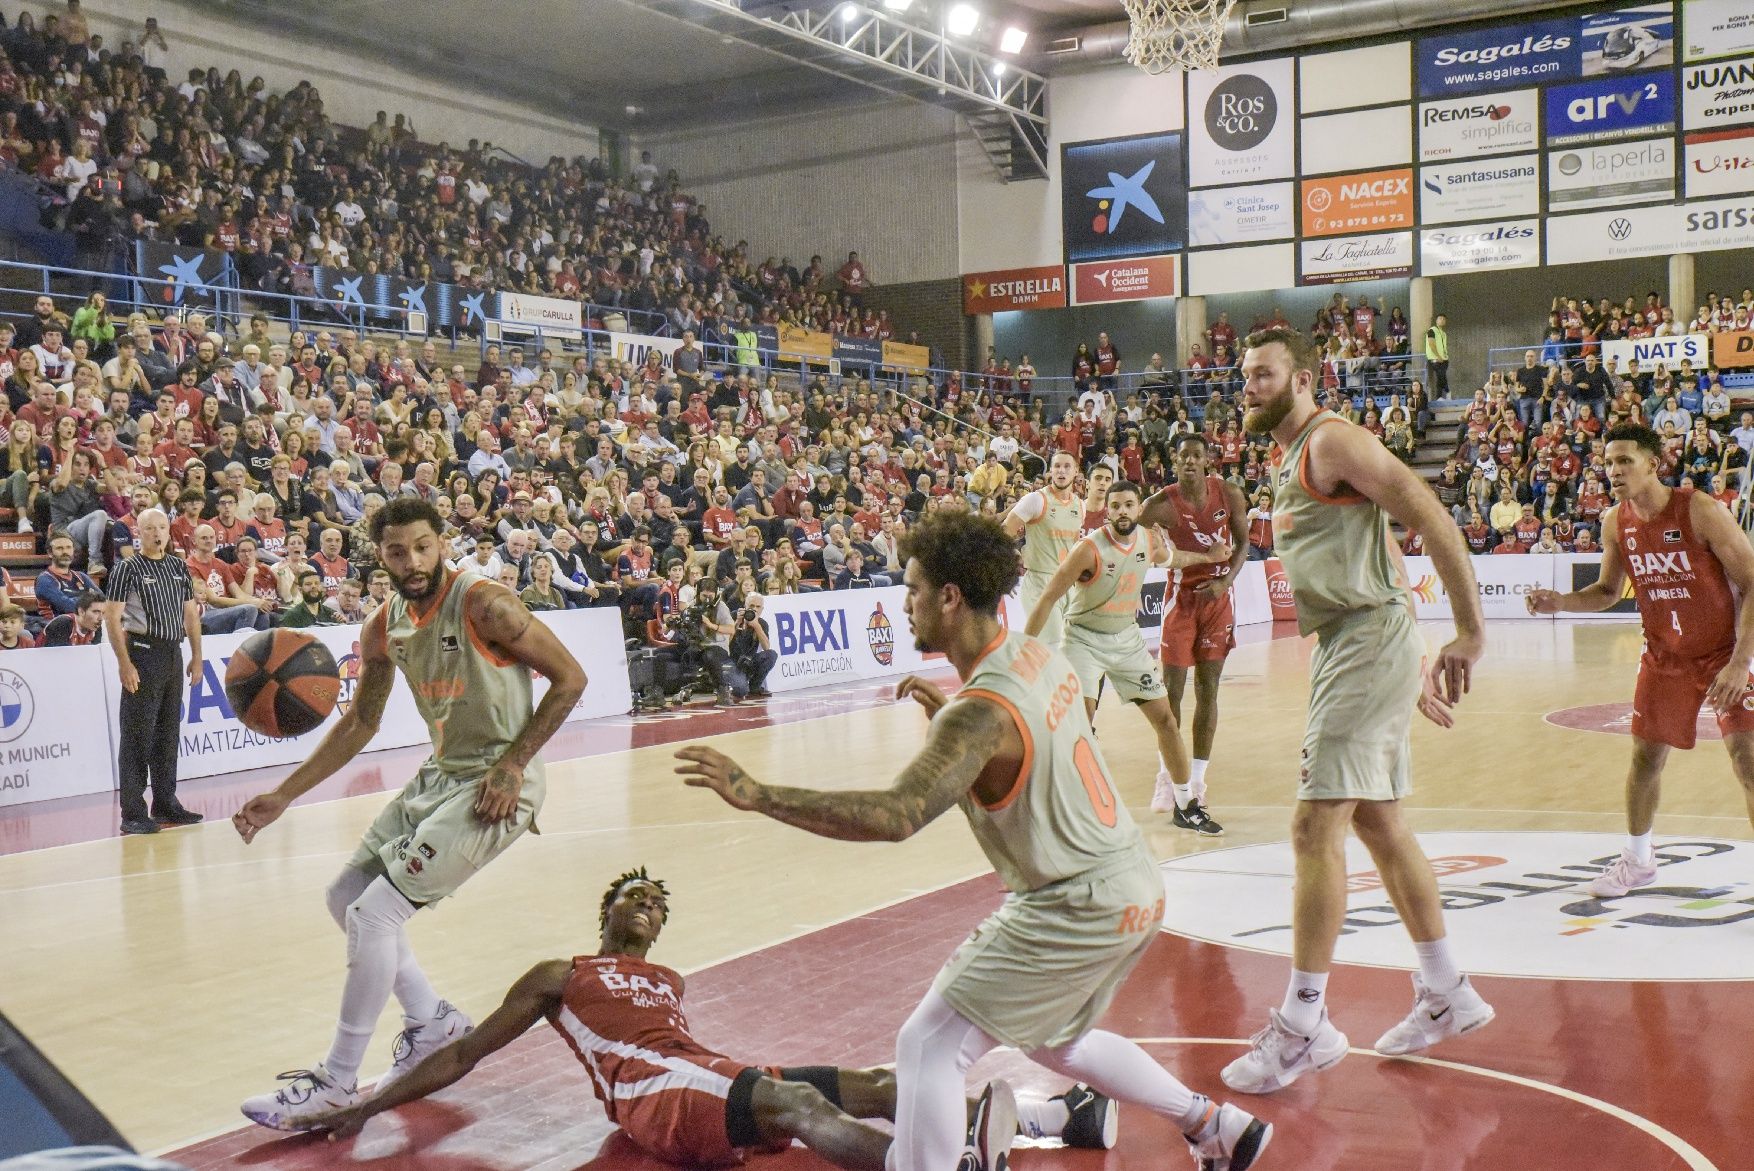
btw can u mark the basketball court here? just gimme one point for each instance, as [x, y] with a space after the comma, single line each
[172, 976]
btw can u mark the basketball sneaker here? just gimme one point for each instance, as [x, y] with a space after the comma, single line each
[308, 1094]
[419, 1039]
[1163, 795]
[1278, 1056]
[1626, 875]
[1093, 1121]
[991, 1130]
[1234, 1140]
[1436, 1016]
[1194, 817]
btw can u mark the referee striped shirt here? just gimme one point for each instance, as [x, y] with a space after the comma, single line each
[152, 593]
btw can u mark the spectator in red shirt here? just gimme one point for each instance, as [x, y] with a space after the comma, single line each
[12, 635]
[853, 277]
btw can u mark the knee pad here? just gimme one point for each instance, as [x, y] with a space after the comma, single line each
[348, 885]
[824, 1078]
[380, 910]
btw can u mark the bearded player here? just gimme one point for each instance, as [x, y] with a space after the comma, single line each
[623, 1017]
[1015, 752]
[1104, 576]
[467, 647]
[1334, 491]
[1686, 555]
[1198, 512]
[1050, 520]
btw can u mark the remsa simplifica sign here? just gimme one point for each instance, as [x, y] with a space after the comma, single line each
[1464, 128]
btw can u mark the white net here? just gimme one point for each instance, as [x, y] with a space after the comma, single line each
[1176, 34]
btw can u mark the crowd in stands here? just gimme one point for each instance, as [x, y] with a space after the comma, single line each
[211, 160]
[1528, 474]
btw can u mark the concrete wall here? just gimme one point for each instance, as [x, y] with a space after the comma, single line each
[353, 89]
[877, 179]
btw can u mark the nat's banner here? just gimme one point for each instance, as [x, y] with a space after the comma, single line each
[798, 343]
[906, 358]
[1733, 349]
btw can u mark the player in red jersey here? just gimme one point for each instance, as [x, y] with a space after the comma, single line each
[680, 1101]
[1197, 512]
[1097, 481]
[1686, 555]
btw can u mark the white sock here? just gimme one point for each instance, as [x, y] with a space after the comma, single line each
[1184, 794]
[1042, 1117]
[1304, 998]
[1639, 846]
[1436, 966]
[1201, 1121]
[413, 990]
[374, 920]
[1197, 779]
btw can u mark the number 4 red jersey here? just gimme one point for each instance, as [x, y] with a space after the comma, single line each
[1688, 608]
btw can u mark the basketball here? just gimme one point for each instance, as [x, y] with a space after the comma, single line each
[282, 683]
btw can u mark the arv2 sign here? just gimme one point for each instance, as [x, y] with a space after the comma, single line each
[1610, 108]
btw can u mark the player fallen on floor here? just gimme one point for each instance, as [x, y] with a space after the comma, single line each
[686, 1104]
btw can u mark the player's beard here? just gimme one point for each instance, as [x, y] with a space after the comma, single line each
[432, 584]
[1123, 525]
[1262, 419]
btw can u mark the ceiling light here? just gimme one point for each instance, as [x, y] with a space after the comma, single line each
[898, 5]
[848, 13]
[962, 19]
[1011, 41]
[998, 69]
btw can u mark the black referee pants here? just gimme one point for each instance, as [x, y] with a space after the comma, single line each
[151, 723]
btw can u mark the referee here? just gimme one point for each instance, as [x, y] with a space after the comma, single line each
[151, 607]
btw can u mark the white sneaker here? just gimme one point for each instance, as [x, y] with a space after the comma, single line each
[1277, 1057]
[1163, 796]
[1625, 875]
[992, 1130]
[1234, 1144]
[420, 1039]
[1436, 1016]
[308, 1095]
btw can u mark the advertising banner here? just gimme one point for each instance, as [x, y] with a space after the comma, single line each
[1357, 258]
[214, 741]
[1241, 215]
[1670, 352]
[1611, 176]
[1720, 163]
[1506, 244]
[1242, 270]
[1716, 28]
[1719, 94]
[182, 270]
[1708, 226]
[795, 342]
[1462, 128]
[1520, 54]
[1505, 583]
[1629, 38]
[1368, 201]
[1609, 108]
[1137, 279]
[1451, 193]
[1123, 197]
[634, 348]
[1733, 349]
[1008, 289]
[383, 298]
[908, 359]
[50, 708]
[838, 637]
[1281, 601]
[1356, 140]
[522, 313]
[859, 351]
[1240, 123]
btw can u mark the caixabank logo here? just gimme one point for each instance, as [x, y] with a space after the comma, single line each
[1516, 904]
[1123, 197]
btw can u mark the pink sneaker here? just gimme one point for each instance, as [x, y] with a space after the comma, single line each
[1627, 874]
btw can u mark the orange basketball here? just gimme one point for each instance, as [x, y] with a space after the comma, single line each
[282, 683]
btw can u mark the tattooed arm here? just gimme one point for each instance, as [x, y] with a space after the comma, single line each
[960, 740]
[512, 633]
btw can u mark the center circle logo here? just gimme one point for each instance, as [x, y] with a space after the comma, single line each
[1320, 199]
[1570, 164]
[1619, 228]
[17, 706]
[1241, 112]
[1516, 904]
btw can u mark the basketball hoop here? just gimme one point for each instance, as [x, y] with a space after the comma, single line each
[1176, 34]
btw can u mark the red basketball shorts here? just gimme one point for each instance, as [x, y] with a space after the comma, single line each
[1665, 707]
[1197, 628]
[682, 1115]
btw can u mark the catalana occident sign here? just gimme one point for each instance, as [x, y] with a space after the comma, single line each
[1516, 904]
[1137, 279]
